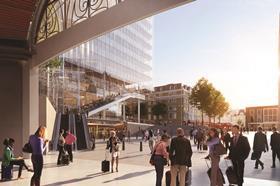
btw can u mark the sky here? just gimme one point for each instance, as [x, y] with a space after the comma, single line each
[232, 43]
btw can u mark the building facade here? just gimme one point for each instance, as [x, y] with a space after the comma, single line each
[176, 98]
[108, 65]
[262, 116]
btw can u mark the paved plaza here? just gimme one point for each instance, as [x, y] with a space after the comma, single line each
[135, 170]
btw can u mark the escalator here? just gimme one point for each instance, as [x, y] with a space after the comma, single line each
[77, 125]
[64, 122]
[80, 133]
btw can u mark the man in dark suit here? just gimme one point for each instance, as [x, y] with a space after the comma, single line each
[180, 154]
[226, 138]
[260, 145]
[238, 152]
[275, 146]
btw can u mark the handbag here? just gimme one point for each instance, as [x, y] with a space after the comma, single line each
[219, 149]
[27, 148]
[254, 155]
[152, 159]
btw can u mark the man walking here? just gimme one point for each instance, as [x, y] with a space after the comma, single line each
[275, 146]
[238, 152]
[69, 140]
[226, 138]
[180, 154]
[260, 145]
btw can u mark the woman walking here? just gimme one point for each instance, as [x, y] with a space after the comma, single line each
[216, 177]
[160, 158]
[9, 159]
[38, 144]
[114, 150]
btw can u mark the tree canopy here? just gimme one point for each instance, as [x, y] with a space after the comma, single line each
[208, 100]
[159, 109]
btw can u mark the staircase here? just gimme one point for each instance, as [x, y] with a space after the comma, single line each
[116, 101]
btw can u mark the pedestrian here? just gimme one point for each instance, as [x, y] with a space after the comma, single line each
[69, 141]
[160, 158]
[9, 159]
[191, 133]
[180, 154]
[93, 142]
[260, 145]
[238, 152]
[151, 140]
[38, 144]
[275, 146]
[103, 133]
[61, 144]
[215, 177]
[114, 150]
[226, 138]
[200, 139]
[128, 135]
[194, 132]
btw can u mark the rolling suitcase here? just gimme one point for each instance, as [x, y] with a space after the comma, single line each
[65, 160]
[168, 178]
[231, 175]
[105, 164]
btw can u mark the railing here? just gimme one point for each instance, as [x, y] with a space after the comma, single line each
[63, 14]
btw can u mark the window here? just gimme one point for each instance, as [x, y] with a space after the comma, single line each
[270, 115]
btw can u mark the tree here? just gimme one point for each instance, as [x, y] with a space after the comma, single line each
[218, 106]
[201, 96]
[53, 64]
[159, 109]
[208, 100]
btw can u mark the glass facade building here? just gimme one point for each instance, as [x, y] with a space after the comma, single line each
[124, 54]
[106, 66]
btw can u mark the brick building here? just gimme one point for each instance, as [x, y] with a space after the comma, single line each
[262, 116]
[176, 97]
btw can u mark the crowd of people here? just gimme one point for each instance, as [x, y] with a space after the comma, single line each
[220, 143]
[175, 152]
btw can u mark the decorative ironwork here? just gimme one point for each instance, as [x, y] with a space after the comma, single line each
[63, 14]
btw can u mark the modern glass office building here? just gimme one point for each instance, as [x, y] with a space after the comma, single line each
[108, 65]
[125, 54]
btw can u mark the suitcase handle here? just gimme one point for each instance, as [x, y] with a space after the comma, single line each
[106, 154]
[207, 163]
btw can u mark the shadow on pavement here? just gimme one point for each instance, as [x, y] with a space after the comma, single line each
[90, 176]
[129, 175]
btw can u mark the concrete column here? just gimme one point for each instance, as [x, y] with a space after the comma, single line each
[30, 104]
[139, 111]
[19, 98]
[11, 103]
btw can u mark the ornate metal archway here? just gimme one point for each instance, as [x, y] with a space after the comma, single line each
[60, 15]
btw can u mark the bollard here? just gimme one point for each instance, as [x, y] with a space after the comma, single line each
[141, 146]
[123, 145]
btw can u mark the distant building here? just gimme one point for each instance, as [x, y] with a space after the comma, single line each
[235, 117]
[176, 97]
[262, 116]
